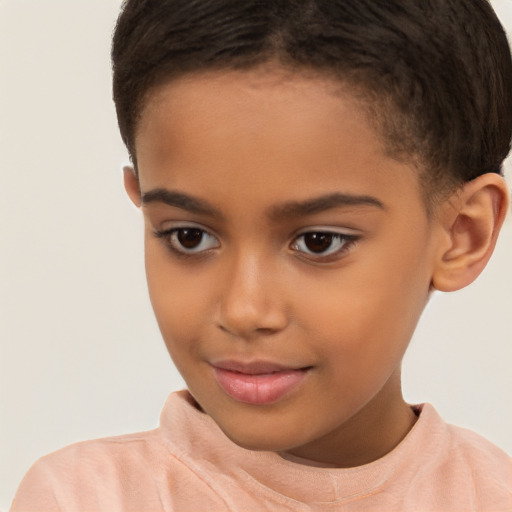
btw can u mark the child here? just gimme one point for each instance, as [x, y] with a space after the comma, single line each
[309, 172]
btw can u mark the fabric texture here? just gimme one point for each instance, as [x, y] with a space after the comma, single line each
[189, 465]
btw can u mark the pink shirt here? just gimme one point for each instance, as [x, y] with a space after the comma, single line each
[188, 464]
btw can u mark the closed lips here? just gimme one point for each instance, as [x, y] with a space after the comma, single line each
[257, 383]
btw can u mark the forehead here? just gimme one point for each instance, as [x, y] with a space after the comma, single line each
[240, 132]
[258, 107]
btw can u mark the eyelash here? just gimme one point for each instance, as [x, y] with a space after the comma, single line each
[347, 242]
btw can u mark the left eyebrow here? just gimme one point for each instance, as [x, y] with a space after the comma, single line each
[319, 204]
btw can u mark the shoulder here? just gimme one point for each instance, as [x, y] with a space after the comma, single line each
[102, 455]
[480, 454]
[131, 472]
[458, 443]
[464, 465]
[486, 468]
[74, 473]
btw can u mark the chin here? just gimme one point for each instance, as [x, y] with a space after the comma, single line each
[260, 435]
[258, 441]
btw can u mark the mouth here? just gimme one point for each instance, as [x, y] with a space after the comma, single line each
[258, 382]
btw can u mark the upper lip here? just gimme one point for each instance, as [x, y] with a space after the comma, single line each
[253, 367]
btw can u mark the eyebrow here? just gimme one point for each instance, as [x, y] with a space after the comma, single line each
[180, 200]
[287, 210]
[319, 204]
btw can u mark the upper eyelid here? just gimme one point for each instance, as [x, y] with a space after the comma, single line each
[346, 231]
[185, 225]
[310, 229]
[328, 229]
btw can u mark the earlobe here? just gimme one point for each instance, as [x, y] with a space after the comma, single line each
[131, 185]
[472, 221]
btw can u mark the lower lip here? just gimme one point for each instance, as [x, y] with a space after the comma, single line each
[261, 388]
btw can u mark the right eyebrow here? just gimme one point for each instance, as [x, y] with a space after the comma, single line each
[180, 200]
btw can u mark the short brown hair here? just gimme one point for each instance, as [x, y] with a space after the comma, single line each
[437, 74]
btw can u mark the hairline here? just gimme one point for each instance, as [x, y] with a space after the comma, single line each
[375, 106]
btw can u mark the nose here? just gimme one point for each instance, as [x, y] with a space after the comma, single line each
[251, 303]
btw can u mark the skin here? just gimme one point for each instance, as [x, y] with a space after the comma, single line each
[245, 142]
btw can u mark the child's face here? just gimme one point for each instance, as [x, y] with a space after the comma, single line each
[251, 283]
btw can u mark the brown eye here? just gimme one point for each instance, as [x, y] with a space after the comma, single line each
[324, 244]
[318, 242]
[189, 238]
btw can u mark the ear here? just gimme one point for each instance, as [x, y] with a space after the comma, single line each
[471, 221]
[131, 185]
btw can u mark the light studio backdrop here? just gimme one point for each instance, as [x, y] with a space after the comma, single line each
[80, 352]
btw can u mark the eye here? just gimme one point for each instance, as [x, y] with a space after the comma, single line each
[323, 243]
[187, 240]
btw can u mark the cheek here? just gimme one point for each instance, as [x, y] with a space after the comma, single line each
[366, 316]
[178, 297]
[360, 344]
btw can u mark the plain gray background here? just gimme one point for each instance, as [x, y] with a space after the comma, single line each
[81, 356]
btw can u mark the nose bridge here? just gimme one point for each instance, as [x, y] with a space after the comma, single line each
[251, 301]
